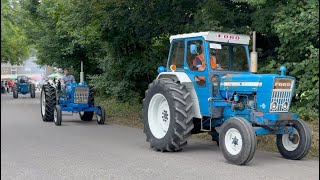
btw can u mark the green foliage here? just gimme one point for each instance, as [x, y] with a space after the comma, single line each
[67, 32]
[297, 26]
[307, 89]
[224, 15]
[14, 44]
[138, 43]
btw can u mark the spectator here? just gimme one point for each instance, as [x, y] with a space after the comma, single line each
[6, 86]
[3, 89]
[10, 84]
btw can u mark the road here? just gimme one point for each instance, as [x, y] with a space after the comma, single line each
[33, 149]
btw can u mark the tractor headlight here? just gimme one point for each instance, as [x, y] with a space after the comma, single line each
[274, 105]
[285, 105]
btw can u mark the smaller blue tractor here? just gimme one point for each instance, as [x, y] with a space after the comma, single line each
[23, 86]
[73, 97]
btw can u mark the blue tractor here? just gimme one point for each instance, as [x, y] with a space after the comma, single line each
[73, 97]
[211, 84]
[23, 86]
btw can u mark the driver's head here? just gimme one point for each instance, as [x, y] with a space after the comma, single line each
[66, 71]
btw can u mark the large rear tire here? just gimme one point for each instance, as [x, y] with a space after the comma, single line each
[167, 111]
[47, 102]
[300, 144]
[237, 140]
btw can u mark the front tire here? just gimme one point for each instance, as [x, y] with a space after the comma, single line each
[298, 147]
[57, 115]
[237, 140]
[167, 111]
[101, 115]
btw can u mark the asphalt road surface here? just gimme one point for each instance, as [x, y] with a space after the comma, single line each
[33, 149]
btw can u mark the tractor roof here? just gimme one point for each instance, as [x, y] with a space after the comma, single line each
[216, 36]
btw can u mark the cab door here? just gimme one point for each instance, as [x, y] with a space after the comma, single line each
[200, 78]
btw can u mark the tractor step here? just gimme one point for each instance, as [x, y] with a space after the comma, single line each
[202, 128]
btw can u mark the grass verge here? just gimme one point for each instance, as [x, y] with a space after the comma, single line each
[130, 114]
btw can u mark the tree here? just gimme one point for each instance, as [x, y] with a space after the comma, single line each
[14, 44]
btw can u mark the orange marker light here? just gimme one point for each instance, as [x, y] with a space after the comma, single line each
[173, 67]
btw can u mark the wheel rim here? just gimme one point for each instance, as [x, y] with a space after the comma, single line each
[233, 141]
[159, 116]
[291, 145]
[43, 103]
[55, 115]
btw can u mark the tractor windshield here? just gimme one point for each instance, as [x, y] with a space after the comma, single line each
[230, 57]
[22, 79]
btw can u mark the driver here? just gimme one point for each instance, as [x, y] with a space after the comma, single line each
[67, 78]
[200, 63]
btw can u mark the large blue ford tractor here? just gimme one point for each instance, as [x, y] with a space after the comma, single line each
[210, 84]
[73, 97]
[23, 86]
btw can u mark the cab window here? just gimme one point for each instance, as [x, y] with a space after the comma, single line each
[177, 54]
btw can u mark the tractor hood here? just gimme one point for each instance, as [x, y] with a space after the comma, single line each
[263, 85]
[249, 83]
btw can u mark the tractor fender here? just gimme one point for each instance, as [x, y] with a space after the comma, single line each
[184, 79]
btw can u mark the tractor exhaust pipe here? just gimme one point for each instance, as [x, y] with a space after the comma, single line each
[81, 73]
[254, 55]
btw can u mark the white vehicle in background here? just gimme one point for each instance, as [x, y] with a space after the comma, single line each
[36, 83]
[39, 84]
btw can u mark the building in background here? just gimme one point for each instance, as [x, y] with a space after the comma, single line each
[29, 68]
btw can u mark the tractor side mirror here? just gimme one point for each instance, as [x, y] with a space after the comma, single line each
[193, 48]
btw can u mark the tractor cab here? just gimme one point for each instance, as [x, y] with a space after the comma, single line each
[22, 79]
[217, 51]
[207, 57]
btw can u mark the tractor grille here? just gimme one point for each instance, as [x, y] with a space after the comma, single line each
[281, 95]
[81, 95]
